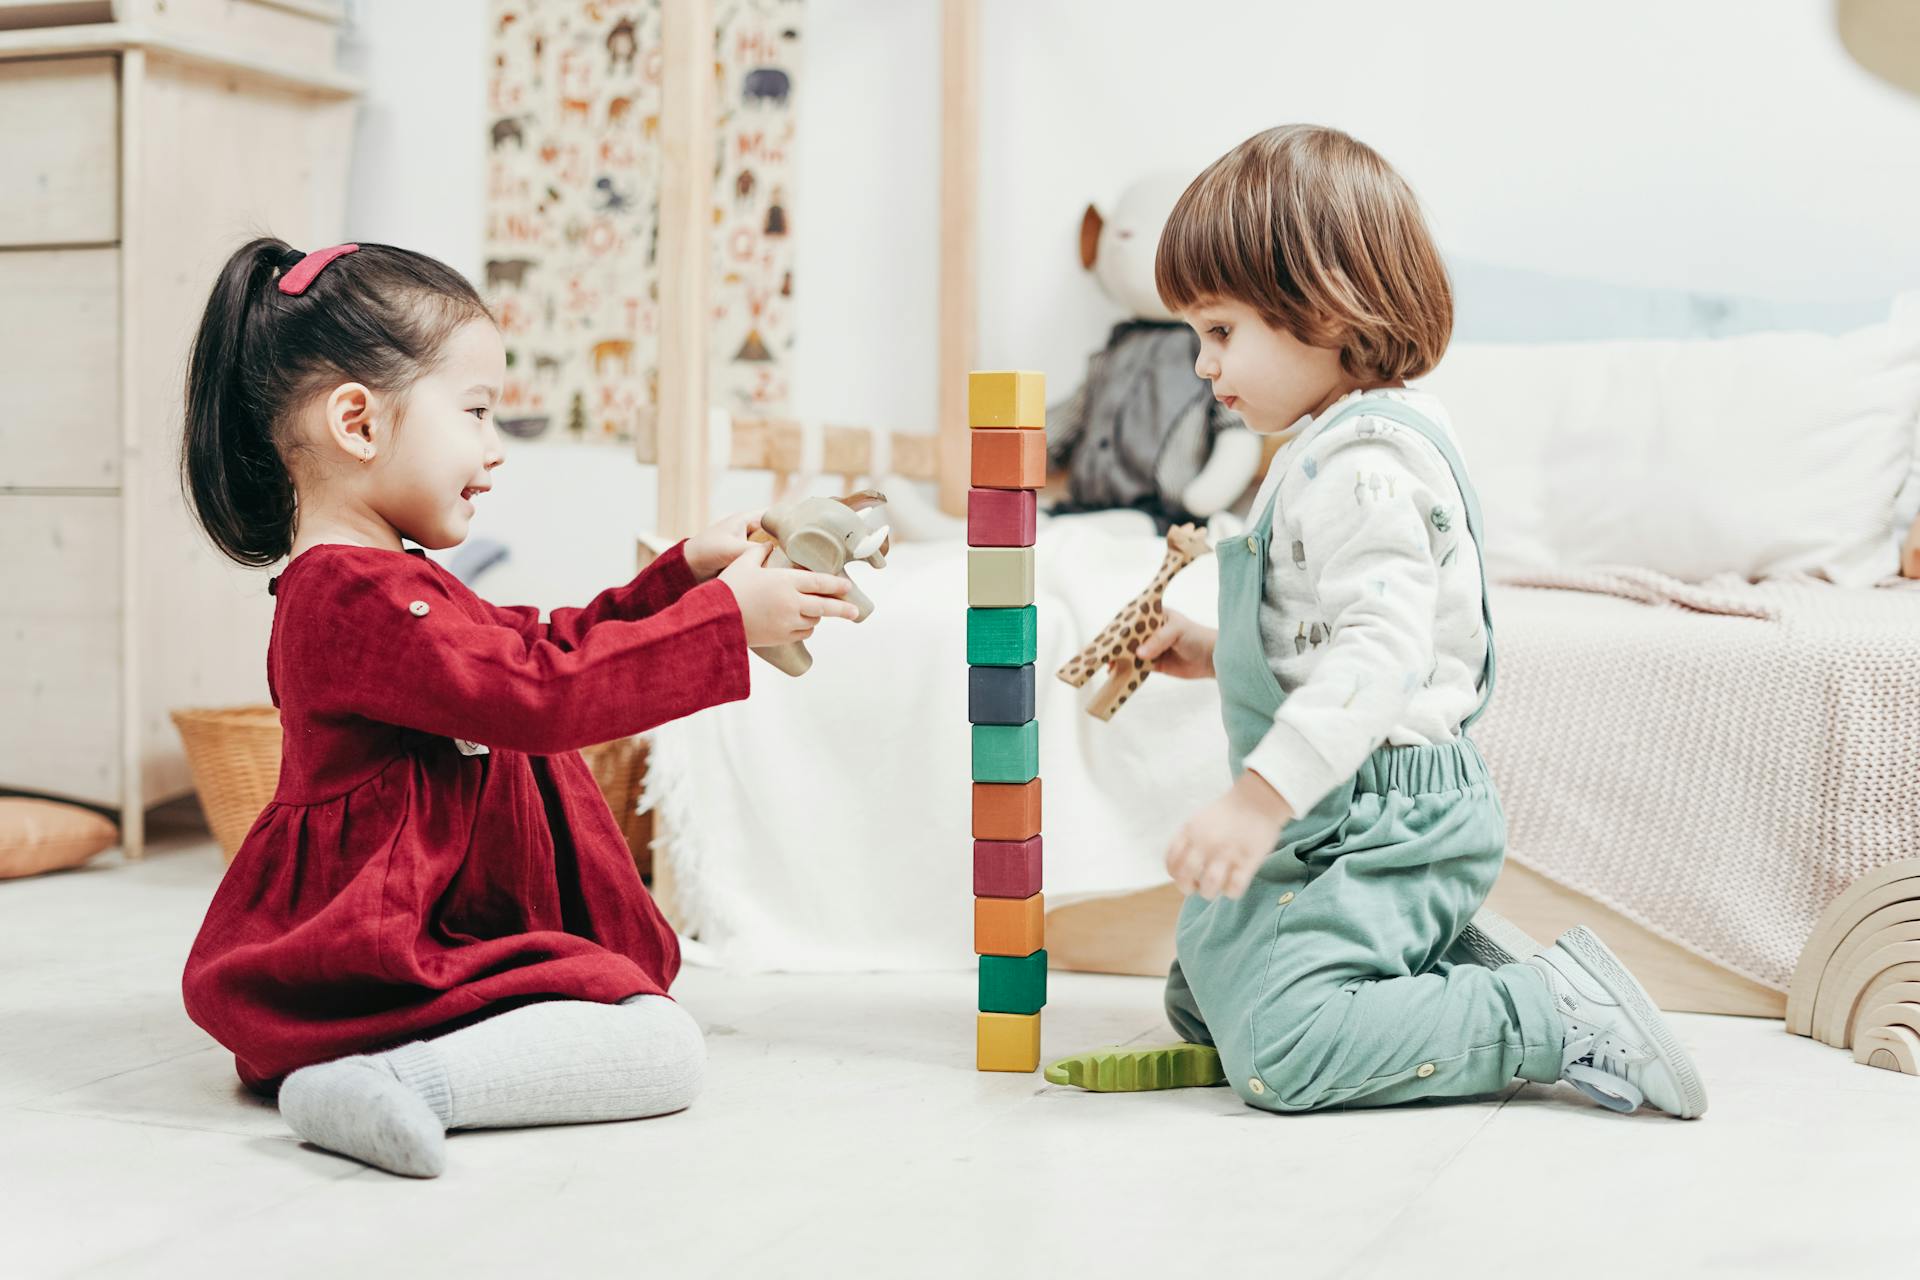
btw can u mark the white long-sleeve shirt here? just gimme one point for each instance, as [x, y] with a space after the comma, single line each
[1371, 612]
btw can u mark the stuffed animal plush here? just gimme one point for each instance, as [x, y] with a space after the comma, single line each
[1143, 431]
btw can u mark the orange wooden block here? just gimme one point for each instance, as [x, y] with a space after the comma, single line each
[1006, 811]
[1009, 926]
[1009, 459]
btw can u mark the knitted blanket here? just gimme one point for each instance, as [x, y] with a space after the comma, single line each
[1715, 761]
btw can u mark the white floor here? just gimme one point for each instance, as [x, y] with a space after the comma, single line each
[844, 1132]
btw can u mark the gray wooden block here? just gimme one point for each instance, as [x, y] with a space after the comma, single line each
[1000, 695]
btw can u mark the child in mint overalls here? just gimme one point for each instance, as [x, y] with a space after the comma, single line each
[1320, 952]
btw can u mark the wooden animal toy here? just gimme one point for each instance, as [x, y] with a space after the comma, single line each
[1130, 627]
[824, 535]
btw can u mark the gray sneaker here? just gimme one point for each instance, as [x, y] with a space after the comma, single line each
[1619, 1050]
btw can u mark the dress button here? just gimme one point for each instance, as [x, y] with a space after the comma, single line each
[1286, 897]
[1426, 1069]
[1256, 1085]
[1253, 544]
[418, 608]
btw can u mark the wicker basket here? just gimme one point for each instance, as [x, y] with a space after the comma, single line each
[234, 753]
[620, 767]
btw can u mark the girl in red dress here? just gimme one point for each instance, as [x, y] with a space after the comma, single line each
[436, 923]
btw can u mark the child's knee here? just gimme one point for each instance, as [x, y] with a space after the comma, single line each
[674, 1048]
[1183, 1012]
[1186, 1021]
[1297, 1069]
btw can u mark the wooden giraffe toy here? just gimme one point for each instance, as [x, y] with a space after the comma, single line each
[1130, 627]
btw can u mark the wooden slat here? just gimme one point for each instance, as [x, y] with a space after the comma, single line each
[115, 37]
[777, 444]
[296, 33]
[133, 245]
[686, 200]
[15, 14]
[959, 238]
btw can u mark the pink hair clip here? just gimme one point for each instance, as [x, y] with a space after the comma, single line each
[295, 281]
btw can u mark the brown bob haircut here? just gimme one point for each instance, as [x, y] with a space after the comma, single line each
[1320, 236]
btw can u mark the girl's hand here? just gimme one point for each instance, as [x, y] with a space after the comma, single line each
[1181, 647]
[713, 549]
[1223, 845]
[778, 606]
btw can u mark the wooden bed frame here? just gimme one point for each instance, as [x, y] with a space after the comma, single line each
[1132, 934]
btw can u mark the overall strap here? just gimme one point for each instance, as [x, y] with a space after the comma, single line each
[1377, 406]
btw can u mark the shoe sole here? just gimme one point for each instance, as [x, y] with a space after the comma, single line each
[1598, 960]
[1121, 1070]
[1493, 940]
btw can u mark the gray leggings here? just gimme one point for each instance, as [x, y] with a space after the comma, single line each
[559, 1062]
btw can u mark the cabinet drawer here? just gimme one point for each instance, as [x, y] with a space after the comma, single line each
[60, 646]
[16, 14]
[293, 33]
[60, 363]
[60, 151]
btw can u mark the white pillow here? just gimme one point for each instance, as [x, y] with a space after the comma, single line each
[1767, 454]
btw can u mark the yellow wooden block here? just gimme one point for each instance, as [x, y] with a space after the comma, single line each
[999, 577]
[1007, 398]
[1008, 1042]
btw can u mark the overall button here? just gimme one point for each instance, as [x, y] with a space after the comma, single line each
[1256, 1085]
[1286, 897]
[1426, 1069]
[1253, 544]
[418, 608]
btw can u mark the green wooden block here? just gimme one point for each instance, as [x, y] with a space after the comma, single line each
[1006, 752]
[999, 577]
[1003, 637]
[1013, 984]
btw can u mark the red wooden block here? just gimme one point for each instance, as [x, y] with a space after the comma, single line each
[1001, 517]
[1006, 868]
[1006, 811]
[1009, 459]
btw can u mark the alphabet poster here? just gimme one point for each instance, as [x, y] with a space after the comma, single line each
[572, 208]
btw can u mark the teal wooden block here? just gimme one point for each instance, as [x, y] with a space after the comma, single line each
[1006, 752]
[1013, 984]
[1003, 637]
[1000, 577]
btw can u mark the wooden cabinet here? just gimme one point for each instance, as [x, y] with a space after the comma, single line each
[144, 141]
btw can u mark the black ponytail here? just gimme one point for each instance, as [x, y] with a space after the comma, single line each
[378, 316]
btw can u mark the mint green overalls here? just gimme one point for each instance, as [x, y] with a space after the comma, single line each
[1334, 980]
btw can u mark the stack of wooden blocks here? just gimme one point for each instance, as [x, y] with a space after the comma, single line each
[1007, 411]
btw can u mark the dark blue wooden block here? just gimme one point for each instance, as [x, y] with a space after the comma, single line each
[1000, 695]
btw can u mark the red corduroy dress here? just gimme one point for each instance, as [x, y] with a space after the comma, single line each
[397, 887]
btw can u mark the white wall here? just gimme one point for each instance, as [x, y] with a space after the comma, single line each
[1717, 144]
[419, 154]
